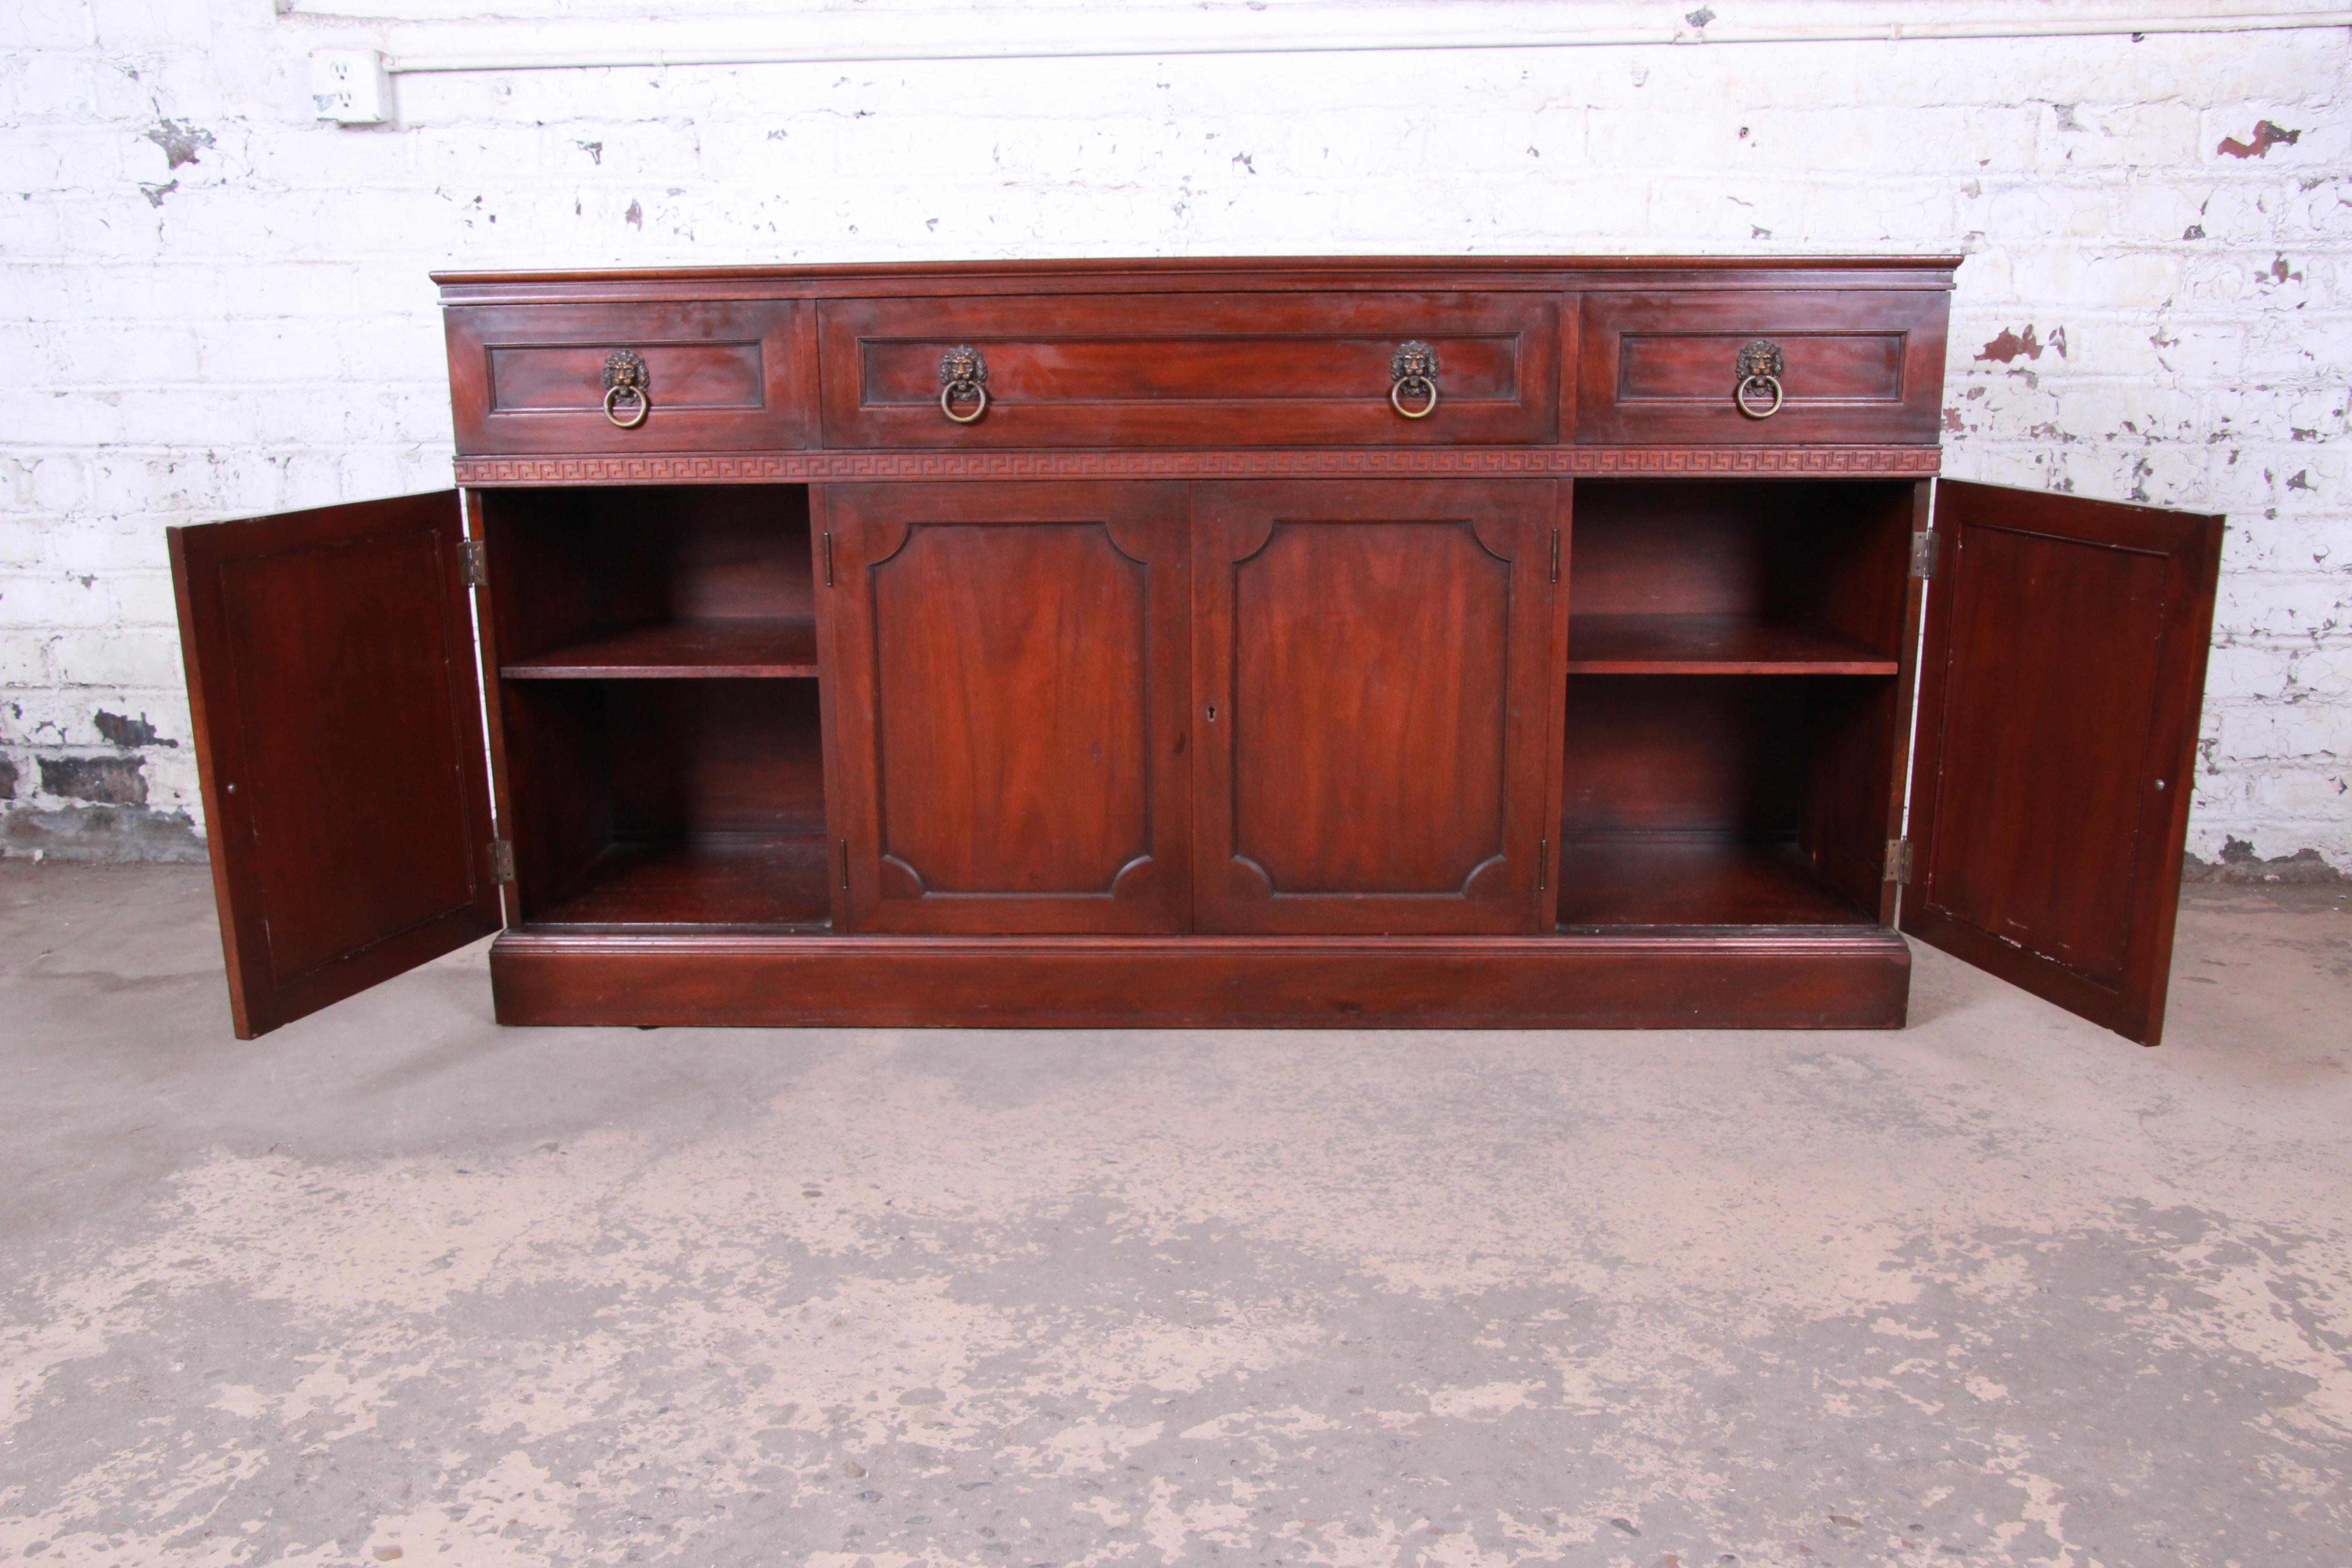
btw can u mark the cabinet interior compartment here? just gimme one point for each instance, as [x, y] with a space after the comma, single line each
[662, 751]
[664, 802]
[657, 582]
[1733, 702]
[1728, 577]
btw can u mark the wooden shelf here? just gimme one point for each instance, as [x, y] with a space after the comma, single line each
[673, 650]
[727, 879]
[1661, 879]
[1714, 645]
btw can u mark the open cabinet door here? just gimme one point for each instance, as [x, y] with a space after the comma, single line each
[339, 735]
[2062, 676]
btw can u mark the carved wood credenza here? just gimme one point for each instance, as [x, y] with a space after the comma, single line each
[1527, 642]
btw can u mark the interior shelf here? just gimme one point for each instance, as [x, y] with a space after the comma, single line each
[766, 880]
[1715, 645]
[1616, 880]
[697, 650]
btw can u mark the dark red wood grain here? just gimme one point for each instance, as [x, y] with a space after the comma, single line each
[1861, 365]
[1716, 645]
[1852, 979]
[2063, 673]
[1006, 681]
[1696, 880]
[726, 375]
[1378, 656]
[1240, 370]
[338, 730]
[785, 646]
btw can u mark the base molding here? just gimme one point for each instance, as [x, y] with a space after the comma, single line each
[1856, 978]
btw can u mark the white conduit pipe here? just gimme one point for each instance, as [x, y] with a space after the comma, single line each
[1403, 42]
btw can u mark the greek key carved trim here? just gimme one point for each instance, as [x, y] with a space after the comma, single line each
[1433, 462]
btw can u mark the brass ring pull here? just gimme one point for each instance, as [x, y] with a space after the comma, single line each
[1745, 399]
[969, 389]
[1414, 371]
[963, 373]
[644, 405]
[1760, 368]
[625, 377]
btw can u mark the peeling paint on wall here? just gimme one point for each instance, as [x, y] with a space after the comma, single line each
[129, 733]
[2240, 863]
[180, 142]
[2265, 137]
[2009, 345]
[107, 781]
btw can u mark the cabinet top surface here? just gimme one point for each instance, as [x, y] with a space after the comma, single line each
[1275, 271]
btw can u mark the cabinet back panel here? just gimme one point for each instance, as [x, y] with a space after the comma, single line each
[1717, 754]
[571, 565]
[1828, 551]
[714, 756]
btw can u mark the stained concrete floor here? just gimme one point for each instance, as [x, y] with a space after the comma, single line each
[393, 1284]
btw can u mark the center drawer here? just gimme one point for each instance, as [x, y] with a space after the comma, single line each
[1184, 369]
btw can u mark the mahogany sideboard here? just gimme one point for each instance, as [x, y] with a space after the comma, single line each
[1479, 643]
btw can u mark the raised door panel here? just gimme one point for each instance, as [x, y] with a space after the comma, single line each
[339, 737]
[1006, 676]
[2063, 676]
[1234, 370]
[1369, 673]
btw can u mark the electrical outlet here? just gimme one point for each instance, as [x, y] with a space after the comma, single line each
[350, 87]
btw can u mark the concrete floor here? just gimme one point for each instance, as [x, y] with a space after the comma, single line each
[393, 1284]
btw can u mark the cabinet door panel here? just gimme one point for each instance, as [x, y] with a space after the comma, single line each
[2064, 672]
[1007, 680]
[1369, 673]
[339, 735]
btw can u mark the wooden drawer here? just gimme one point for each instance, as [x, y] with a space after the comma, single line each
[724, 376]
[1226, 370]
[1857, 366]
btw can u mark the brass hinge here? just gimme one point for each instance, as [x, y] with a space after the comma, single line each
[828, 558]
[475, 560]
[1543, 861]
[1555, 555]
[1923, 552]
[1898, 859]
[502, 869]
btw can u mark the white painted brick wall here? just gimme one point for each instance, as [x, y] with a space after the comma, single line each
[254, 330]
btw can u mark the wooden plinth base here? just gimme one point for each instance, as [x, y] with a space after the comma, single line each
[1855, 978]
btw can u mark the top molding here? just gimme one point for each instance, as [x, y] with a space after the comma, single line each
[1570, 273]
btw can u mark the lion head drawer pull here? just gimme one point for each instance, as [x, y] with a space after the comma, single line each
[1412, 372]
[1761, 371]
[963, 376]
[627, 381]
